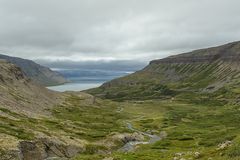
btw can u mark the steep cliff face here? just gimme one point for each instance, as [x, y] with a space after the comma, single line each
[205, 70]
[36, 72]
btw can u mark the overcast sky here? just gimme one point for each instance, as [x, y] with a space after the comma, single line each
[114, 30]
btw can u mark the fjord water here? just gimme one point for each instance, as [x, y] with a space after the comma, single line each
[85, 79]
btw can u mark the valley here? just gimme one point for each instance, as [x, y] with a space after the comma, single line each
[182, 107]
[98, 129]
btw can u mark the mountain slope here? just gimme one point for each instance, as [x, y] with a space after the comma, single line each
[36, 123]
[39, 124]
[36, 72]
[208, 70]
[20, 94]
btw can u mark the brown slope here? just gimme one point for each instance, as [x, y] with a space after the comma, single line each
[19, 94]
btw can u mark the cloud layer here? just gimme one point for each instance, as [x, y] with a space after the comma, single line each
[108, 30]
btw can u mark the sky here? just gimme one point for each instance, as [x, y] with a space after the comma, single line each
[68, 33]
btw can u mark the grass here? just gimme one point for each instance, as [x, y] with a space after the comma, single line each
[90, 122]
[75, 119]
[15, 127]
[191, 126]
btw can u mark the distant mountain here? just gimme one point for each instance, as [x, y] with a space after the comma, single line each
[212, 70]
[36, 72]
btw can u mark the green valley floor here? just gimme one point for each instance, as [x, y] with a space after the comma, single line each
[191, 130]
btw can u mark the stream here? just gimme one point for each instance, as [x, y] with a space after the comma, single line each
[130, 146]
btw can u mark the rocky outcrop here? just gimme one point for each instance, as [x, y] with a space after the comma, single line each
[42, 149]
[127, 137]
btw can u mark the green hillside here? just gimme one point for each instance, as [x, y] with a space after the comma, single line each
[207, 71]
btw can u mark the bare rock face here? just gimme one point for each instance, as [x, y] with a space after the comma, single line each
[45, 149]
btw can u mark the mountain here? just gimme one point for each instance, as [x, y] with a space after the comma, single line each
[36, 72]
[39, 124]
[20, 94]
[180, 107]
[25, 111]
[211, 70]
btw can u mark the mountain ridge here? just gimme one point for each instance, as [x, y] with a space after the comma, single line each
[22, 95]
[36, 72]
[202, 70]
[224, 52]
[194, 106]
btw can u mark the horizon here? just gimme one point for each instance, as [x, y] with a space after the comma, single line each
[132, 33]
[111, 65]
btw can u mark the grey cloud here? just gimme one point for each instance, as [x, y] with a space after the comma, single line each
[116, 65]
[126, 29]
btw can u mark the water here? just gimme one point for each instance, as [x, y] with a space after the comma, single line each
[86, 79]
[74, 86]
[130, 146]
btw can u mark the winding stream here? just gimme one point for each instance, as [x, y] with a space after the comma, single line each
[130, 146]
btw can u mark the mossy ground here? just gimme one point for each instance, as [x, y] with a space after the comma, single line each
[76, 118]
[191, 126]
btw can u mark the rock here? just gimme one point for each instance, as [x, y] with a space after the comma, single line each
[197, 155]
[32, 150]
[224, 145]
[179, 154]
[125, 138]
[46, 149]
